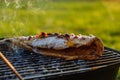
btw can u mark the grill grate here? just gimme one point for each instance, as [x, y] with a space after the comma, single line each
[35, 66]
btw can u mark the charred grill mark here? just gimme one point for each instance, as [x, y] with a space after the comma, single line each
[76, 37]
[56, 34]
[83, 38]
[67, 36]
[30, 37]
[42, 35]
[49, 34]
[60, 36]
[8, 41]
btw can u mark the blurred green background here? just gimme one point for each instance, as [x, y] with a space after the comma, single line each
[30, 17]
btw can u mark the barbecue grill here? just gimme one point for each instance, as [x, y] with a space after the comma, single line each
[32, 66]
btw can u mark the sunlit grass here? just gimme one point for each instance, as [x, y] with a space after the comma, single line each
[98, 18]
[79, 17]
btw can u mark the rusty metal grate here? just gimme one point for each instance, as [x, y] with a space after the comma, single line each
[38, 67]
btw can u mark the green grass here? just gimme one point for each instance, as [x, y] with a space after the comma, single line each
[79, 17]
[98, 18]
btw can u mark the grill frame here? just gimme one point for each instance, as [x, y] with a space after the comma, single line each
[106, 73]
[75, 72]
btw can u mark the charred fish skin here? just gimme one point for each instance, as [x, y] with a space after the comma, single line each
[66, 46]
[5, 44]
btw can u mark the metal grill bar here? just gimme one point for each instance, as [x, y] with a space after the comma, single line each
[31, 65]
